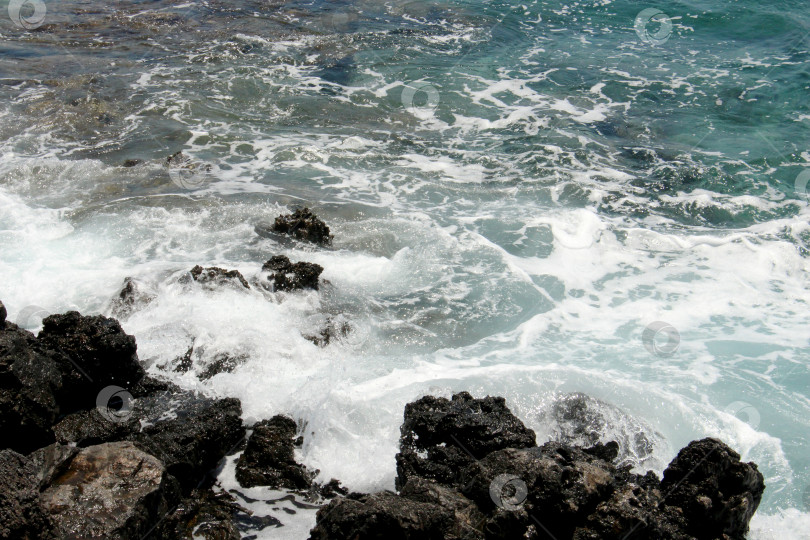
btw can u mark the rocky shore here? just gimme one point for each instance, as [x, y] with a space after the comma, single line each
[93, 447]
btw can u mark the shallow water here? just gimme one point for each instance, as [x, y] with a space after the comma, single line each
[517, 190]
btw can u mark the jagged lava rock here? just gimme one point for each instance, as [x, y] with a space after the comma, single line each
[717, 493]
[203, 514]
[111, 490]
[98, 353]
[30, 381]
[381, 516]
[3, 315]
[454, 433]
[304, 225]
[132, 297]
[269, 460]
[21, 516]
[217, 277]
[288, 276]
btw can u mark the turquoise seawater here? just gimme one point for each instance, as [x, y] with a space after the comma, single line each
[517, 191]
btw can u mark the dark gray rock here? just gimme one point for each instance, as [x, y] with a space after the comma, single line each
[31, 380]
[381, 516]
[303, 225]
[112, 490]
[200, 432]
[269, 460]
[716, 492]
[87, 428]
[3, 315]
[288, 276]
[95, 353]
[203, 514]
[21, 516]
[214, 277]
[453, 434]
[133, 296]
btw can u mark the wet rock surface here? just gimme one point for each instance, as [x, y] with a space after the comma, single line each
[303, 225]
[203, 514]
[289, 276]
[3, 315]
[21, 516]
[112, 490]
[133, 296]
[213, 277]
[95, 353]
[469, 469]
[269, 459]
[440, 437]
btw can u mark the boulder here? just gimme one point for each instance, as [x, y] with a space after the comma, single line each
[715, 491]
[214, 277]
[188, 432]
[381, 516]
[31, 379]
[95, 353]
[269, 460]
[203, 514]
[87, 428]
[132, 297]
[21, 516]
[303, 225]
[3, 315]
[111, 490]
[439, 437]
[288, 276]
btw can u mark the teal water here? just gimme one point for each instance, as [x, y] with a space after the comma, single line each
[517, 190]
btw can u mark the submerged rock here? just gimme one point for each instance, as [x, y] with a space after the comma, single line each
[288, 276]
[332, 330]
[112, 490]
[217, 277]
[222, 363]
[269, 459]
[303, 225]
[132, 297]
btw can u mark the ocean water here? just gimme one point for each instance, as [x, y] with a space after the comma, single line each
[529, 199]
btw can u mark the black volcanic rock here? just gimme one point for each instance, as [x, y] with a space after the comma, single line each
[462, 475]
[3, 315]
[31, 379]
[717, 493]
[95, 353]
[381, 516]
[203, 514]
[288, 276]
[303, 225]
[269, 460]
[132, 297]
[21, 516]
[454, 433]
[200, 433]
[217, 277]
